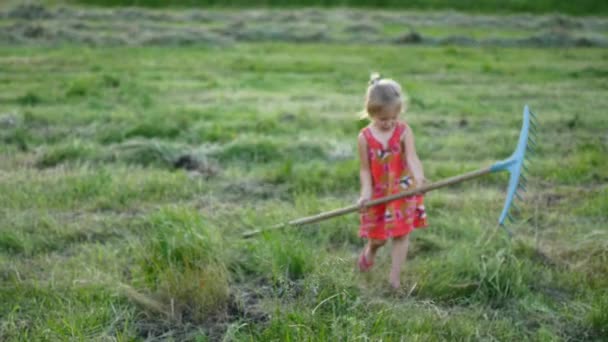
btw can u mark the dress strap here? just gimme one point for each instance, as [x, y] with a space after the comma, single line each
[370, 139]
[398, 131]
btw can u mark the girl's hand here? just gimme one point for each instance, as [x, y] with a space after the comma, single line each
[362, 202]
[421, 182]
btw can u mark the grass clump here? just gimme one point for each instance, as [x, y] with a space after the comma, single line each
[316, 176]
[91, 85]
[81, 87]
[597, 318]
[275, 258]
[18, 136]
[11, 243]
[264, 150]
[258, 151]
[73, 151]
[591, 256]
[146, 153]
[493, 276]
[182, 265]
[140, 152]
[29, 99]
[290, 259]
[153, 130]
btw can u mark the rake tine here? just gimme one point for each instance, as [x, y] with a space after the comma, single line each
[532, 130]
[519, 196]
[508, 231]
[523, 165]
[522, 187]
[531, 141]
[504, 226]
[516, 208]
[510, 218]
[530, 150]
[533, 125]
[532, 114]
[522, 177]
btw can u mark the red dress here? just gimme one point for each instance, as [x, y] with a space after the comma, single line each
[390, 175]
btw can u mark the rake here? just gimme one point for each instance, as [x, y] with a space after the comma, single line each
[515, 165]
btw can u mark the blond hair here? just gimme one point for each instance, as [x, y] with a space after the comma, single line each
[383, 93]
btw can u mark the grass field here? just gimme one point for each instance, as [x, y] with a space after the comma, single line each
[128, 173]
[588, 7]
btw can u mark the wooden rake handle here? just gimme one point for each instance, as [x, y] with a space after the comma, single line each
[338, 212]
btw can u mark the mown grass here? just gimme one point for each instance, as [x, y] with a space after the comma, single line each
[126, 184]
[54, 25]
[491, 6]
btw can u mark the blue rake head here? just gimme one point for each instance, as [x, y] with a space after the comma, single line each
[516, 166]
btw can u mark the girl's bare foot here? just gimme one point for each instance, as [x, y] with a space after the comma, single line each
[395, 282]
[366, 261]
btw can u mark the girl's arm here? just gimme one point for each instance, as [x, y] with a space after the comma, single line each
[412, 157]
[365, 174]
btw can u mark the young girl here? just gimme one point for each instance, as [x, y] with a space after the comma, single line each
[389, 164]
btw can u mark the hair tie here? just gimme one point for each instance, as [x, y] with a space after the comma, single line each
[375, 78]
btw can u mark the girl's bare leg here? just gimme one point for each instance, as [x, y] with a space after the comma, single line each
[398, 254]
[372, 247]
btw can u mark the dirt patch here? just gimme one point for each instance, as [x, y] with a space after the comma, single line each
[245, 303]
[202, 167]
[411, 37]
[159, 321]
[549, 199]
[553, 199]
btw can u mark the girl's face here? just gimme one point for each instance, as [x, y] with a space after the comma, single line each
[386, 119]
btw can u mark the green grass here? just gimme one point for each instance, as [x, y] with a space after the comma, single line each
[488, 6]
[127, 182]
